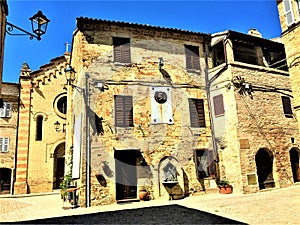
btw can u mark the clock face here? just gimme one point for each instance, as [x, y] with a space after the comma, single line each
[160, 96]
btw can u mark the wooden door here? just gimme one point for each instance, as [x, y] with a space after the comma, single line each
[126, 175]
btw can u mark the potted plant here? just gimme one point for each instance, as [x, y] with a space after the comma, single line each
[225, 187]
[143, 193]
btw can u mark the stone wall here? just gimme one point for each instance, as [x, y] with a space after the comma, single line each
[153, 141]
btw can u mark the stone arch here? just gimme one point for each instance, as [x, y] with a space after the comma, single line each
[58, 164]
[295, 159]
[168, 170]
[264, 166]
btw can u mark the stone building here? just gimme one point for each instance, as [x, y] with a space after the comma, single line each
[253, 119]
[40, 162]
[8, 134]
[3, 14]
[140, 112]
[289, 17]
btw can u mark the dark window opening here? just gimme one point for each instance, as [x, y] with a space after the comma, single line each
[245, 52]
[218, 54]
[287, 107]
[197, 116]
[192, 57]
[39, 128]
[270, 55]
[122, 50]
[205, 164]
[123, 111]
[62, 105]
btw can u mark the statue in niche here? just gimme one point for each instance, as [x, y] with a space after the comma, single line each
[170, 173]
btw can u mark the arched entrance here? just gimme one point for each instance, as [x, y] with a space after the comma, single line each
[59, 165]
[5, 180]
[294, 158]
[264, 167]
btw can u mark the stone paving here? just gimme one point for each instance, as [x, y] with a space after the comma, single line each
[277, 206]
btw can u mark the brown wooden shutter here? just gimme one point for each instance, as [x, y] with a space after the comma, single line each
[192, 57]
[218, 105]
[197, 117]
[123, 111]
[287, 108]
[122, 50]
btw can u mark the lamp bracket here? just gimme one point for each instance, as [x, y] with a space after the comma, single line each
[10, 28]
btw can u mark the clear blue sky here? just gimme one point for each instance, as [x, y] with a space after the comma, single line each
[207, 16]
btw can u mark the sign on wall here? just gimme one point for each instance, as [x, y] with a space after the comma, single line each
[161, 105]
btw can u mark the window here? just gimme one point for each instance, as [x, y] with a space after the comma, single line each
[123, 111]
[60, 105]
[287, 108]
[39, 128]
[245, 52]
[298, 7]
[5, 111]
[218, 105]
[205, 164]
[122, 50]
[192, 57]
[4, 144]
[288, 12]
[196, 112]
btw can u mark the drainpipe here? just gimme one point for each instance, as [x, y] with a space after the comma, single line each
[207, 85]
[88, 153]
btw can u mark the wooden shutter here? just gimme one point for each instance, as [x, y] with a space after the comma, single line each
[288, 12]
[218, 105]
[4, 144]
[122, 50]
[8, 110]
[192, 57]
[123, 111]
[287, 108]
[197, 117]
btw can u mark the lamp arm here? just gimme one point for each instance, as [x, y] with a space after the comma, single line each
[11, 27]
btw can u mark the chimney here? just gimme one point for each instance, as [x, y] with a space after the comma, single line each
[254, 32]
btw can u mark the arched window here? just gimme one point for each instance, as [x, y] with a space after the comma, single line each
[39, 128]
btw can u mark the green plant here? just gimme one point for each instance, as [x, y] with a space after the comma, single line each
[64, 185]
[223, 183]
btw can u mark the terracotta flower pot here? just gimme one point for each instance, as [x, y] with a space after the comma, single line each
[225, 189]
[143, 194]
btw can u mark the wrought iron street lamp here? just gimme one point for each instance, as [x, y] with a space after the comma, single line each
[70, 75]
[39, 23]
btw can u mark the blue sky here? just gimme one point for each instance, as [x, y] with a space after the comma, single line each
[207, 16]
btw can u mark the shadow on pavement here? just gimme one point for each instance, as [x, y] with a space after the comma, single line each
[171, 214]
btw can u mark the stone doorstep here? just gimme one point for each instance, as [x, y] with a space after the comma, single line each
[129, 200]
[55, 192]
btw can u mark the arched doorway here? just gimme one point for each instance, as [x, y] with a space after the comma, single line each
[59, 165]
[264, 167]
[5, 180]
[294, 158]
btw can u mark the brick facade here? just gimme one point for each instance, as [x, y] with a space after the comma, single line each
[8, 129]
[254, 121]
[291, 41]
[40, 151]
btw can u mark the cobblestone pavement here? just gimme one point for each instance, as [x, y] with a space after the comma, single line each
[278, 206]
